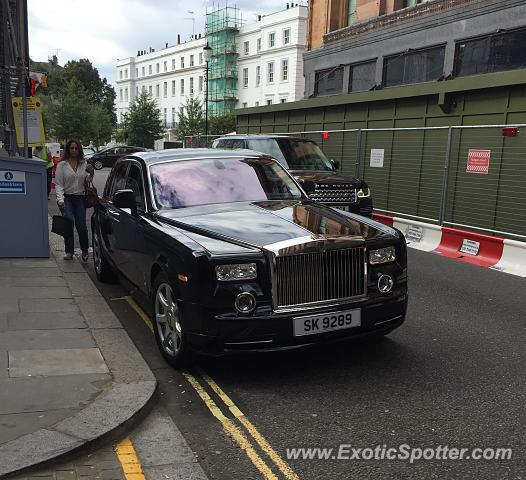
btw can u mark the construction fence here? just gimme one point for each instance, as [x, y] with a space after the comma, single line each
[471, 177]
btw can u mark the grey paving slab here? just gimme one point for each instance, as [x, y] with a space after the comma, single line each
[72, 361]
[159, 442]
[102, 464]
[47, 305]
[15, 425]
[17, 394]
[102, 320]
[183, 471]
[34, 292]
[81, 285]
[28, 272]
[32, 281]
[97, 314]
[43, 444]
[45, 339]
[123, 359]
[62, 392]
[70, 266]
[32, 263]
[109, 411]
[93, 308]
[9, 305]
[3, 366]
[42, 320]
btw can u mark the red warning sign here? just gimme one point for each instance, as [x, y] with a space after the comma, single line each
[478, 161]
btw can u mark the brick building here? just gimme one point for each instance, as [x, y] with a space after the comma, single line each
[361, 45]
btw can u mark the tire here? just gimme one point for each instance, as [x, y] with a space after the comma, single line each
[103, 270]
[168, 324]
[97, 164]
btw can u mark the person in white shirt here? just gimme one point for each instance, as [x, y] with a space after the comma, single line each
[71, 176]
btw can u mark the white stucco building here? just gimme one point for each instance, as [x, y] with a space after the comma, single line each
[269, 67]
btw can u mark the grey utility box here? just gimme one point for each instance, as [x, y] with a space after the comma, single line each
[23, 208]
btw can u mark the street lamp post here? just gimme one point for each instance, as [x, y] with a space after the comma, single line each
[207, 50]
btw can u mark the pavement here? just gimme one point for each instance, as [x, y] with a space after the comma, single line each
[70, 377]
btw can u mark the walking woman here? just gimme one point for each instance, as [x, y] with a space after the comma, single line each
[70, 183]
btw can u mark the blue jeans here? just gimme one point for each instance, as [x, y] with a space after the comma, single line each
[75, 211]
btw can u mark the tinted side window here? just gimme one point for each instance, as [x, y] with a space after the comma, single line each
[238, 143]
[225, 144]
[117, 180]
[135, 183]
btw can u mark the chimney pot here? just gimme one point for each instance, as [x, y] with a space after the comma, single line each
[178, 39]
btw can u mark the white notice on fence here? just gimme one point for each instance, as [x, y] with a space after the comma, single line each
[414, 234]
[470, 247]
[377, 157]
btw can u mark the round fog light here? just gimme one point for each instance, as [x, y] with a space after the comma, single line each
[245, 302]
[385, 283]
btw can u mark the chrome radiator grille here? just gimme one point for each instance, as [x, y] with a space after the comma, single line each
[334, 193]
[320, 277]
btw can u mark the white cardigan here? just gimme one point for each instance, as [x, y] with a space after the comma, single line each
[69, 182]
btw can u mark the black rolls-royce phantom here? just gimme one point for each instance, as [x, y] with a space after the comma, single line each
[233, 256]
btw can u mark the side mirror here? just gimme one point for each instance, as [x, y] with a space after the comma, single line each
[309, 186]
[335, 164]
[125, 199]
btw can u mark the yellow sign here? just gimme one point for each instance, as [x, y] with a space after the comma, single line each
[35, 125]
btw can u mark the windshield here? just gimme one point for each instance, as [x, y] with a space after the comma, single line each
[205, 181]
[270, 147]
[305, 155]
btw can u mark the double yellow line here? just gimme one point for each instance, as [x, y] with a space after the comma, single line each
[231, 428]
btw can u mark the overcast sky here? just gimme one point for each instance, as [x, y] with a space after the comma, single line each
[106, 30]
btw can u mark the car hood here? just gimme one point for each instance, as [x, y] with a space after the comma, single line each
[322, 176]
[262, 224]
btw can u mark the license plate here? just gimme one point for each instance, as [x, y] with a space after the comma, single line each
[327, 322]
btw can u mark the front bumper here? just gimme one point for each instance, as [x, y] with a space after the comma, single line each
[232, 333]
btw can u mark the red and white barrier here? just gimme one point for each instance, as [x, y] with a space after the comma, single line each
[419, 235]
[513, 258]
[497, 253]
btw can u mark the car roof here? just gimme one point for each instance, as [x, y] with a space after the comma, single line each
[179, 154]
[121, 146]
[262, 136]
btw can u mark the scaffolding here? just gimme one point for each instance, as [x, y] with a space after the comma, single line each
[222, 26]
[14, 58]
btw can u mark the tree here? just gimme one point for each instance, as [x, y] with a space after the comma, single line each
[101, 125]
[68, 116]
[222, 124]
[98, 90]
[143, 124]
[72, 115]
[191, 120]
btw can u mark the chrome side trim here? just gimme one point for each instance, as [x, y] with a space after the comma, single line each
[256, 342]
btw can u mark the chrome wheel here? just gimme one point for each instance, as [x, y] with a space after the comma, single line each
[168, 320]
[97, 164]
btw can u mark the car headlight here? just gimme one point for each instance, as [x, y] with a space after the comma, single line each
[382, 255]
[364, 192]
[240, 271]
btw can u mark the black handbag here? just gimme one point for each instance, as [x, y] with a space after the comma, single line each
[62, 226]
